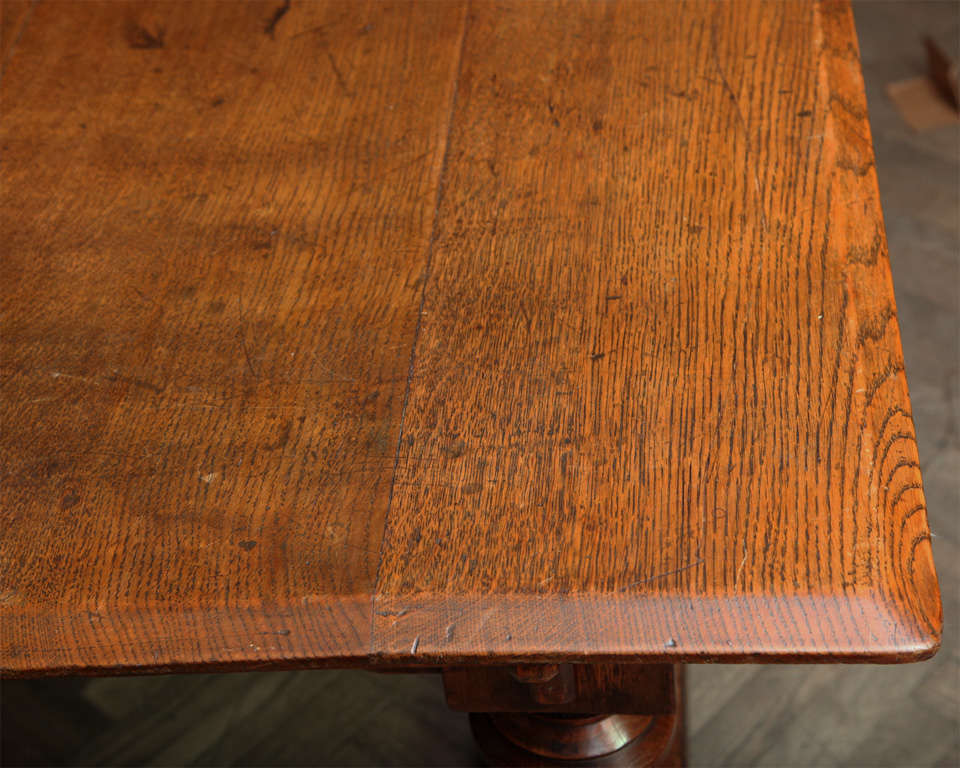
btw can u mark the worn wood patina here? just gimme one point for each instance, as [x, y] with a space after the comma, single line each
[432, 334]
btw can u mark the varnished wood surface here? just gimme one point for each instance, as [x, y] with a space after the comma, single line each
[540, 741]
[739, 714]
[216, 226]
[520, 331]
[651, 735]
[666, 409]
[13, 17]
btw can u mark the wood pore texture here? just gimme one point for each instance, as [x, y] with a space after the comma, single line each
[345, 333]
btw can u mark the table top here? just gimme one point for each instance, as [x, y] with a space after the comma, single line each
[434, 333]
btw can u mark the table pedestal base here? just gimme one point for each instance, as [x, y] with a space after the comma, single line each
[532, 715]
[575, 740]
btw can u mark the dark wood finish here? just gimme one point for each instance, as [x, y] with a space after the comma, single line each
[558, 740]
[637, 719]
[555, 740]
[638, 689]
[423, 335]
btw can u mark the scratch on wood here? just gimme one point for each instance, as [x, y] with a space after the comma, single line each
[743, 562]
[279, 13]
[663, 575]
[59, 375]
[312, 31]
[243, 340]
[741, 120]
[115, 376]
[339, 75]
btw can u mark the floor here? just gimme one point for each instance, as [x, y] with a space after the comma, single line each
[739, 715]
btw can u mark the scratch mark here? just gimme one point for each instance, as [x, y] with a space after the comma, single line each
[58, 375]
[338, 74]
[16, 38]
[741, 119]
[243, 341]
[743, 562]
[133, 381]
[311, 31]
[279, 13]
[416, 644]
[664, 574]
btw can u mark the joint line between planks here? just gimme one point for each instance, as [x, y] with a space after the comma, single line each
[423, 297]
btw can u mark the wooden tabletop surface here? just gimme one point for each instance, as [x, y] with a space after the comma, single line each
[422, 333]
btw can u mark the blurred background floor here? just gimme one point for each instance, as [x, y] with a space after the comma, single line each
[741, 715]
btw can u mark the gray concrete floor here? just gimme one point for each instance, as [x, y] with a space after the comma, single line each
[739, 715]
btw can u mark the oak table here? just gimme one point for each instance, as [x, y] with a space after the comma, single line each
[548, 344]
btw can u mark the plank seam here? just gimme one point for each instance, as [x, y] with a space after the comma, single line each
[416, 333]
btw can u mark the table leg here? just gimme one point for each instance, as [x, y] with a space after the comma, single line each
[533, 714]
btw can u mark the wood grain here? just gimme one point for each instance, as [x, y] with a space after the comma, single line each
[666, 414]
[215, 223]
[652, 406]
[13, 18]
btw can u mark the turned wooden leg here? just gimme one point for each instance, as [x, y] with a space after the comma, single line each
[601, 740]
[531, 715]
